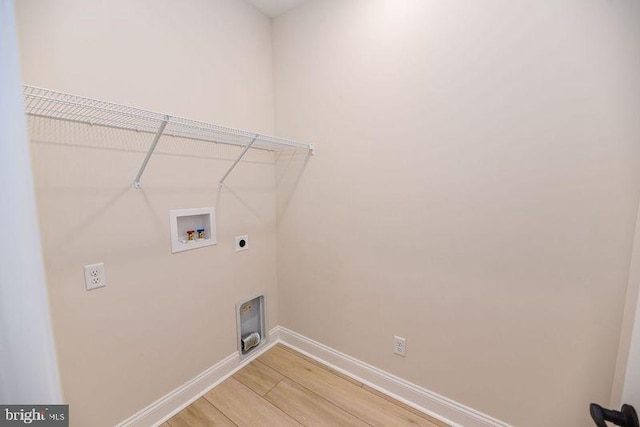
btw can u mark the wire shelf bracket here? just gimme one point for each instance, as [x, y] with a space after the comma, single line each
[163, 125]
[237, 160]
[51, 104]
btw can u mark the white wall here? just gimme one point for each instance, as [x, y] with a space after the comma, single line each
[207, 59]
[162, 318]
[28, 365]
[631, 389]
[627, 380]
[474, 190]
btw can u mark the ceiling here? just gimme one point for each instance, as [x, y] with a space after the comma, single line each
[273, 8]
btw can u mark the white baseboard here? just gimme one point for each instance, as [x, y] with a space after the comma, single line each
[439, 407]
[178, 399]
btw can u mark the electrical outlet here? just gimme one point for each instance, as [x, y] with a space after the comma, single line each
[399, 345]
[94, 276]
[242, 243]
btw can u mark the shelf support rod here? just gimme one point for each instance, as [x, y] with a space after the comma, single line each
[136, 183]
[237, 160]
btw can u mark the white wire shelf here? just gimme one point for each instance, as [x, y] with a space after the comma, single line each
[52, 104]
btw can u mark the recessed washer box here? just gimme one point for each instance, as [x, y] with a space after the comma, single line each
[192, 228]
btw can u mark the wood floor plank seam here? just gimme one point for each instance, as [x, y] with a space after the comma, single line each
[283, 387]
[321, 365]
[311, 391]
[219, 409]
[317, 396]
[294, 353]
[341, 392]
[204, 414]
[168, 423]
[332, 403]
[250, 391]
[275, 385]
[326, 400]
[363, 386]
[404, 405]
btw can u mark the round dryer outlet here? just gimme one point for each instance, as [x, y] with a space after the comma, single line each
[242, 243]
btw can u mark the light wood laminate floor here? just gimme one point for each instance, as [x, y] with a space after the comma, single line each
[285, 388]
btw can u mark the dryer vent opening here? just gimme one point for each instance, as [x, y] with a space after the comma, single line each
[250, 318]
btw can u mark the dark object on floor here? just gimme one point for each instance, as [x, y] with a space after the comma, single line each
[625, 417]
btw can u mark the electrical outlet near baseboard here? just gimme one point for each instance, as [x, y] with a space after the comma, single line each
[399, 345]
[94, 276]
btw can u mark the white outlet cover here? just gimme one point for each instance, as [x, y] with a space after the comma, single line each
[242, 243]
[400, 345]
[94, 276]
